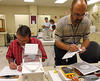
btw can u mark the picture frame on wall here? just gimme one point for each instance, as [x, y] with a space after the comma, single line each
[2, 25]
[33, 19]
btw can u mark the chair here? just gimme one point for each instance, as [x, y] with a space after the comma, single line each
[14, 36]
[92, 54]
[8, 38]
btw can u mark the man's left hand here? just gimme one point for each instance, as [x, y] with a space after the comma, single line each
[83, 50]
[19, 68]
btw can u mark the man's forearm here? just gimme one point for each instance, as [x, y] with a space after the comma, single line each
[85, 43]
[61, 45]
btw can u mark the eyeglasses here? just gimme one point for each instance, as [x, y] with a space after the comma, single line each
[79, 15]
[23, 41]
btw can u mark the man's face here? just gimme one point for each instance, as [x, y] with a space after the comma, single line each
[22, 40]
[78, 13]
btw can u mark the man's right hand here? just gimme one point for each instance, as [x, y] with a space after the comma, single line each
[73, 48]
[12, 65]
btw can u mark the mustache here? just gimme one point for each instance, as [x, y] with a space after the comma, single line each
[78, 20]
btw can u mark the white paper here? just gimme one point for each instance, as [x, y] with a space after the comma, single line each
[8, 79]
[70, 54]
[32, 67]
[31, 49]
[98, 80]
[54, 76]
[85, 68]
[8, 71]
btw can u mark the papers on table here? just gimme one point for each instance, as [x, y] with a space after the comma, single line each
[98, 80]
[34, 67]
[85, 68]
[53, 76]
[31, 53]
[7, 71]
[31, 59]
[70, 54]
[31, 49]
[8, 79]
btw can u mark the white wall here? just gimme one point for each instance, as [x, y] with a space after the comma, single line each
[10, 11]
[21, 20]
[95, 19]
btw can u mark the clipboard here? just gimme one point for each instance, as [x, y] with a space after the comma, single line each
[9, 77]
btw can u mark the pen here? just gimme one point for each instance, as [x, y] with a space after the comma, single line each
[12, 60]
[10, 76]
[73, 42]
[55, 71]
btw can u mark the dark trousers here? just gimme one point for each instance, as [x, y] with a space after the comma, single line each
[59, 53]
[92, 53]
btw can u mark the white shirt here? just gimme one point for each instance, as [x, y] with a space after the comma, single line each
[51, 26]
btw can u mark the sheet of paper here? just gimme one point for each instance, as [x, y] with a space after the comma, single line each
[8, 71]
[31, 49]
[8, 79]
[70, 54]
[54, 76]
[98, 80]
[31, 67]
[85, 68]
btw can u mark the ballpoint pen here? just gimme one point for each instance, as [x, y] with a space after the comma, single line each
[73, 42]
[55, 71]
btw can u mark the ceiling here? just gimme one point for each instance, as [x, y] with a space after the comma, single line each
[37, 2]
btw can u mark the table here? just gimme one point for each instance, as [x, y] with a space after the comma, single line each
[47, 76]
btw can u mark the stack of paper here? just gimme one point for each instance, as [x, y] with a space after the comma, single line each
[85, 68]
[8, 71]
[8, 79]
[32, 67]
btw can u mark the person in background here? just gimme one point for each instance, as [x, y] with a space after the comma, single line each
[53, 30]
[46, 25]
[14, 53]
[70, 29]
[52, 22]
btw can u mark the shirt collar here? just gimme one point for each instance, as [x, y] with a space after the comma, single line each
[69, 20]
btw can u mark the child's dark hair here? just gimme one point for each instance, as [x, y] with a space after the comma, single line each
[53, 27]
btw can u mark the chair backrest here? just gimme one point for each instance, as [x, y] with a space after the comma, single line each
[92, 54]
[8, 38]
[15, 37]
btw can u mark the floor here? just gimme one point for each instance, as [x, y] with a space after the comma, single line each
[3, 60]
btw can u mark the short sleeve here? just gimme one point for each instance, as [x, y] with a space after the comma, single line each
[87, 30]
[59, 31]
